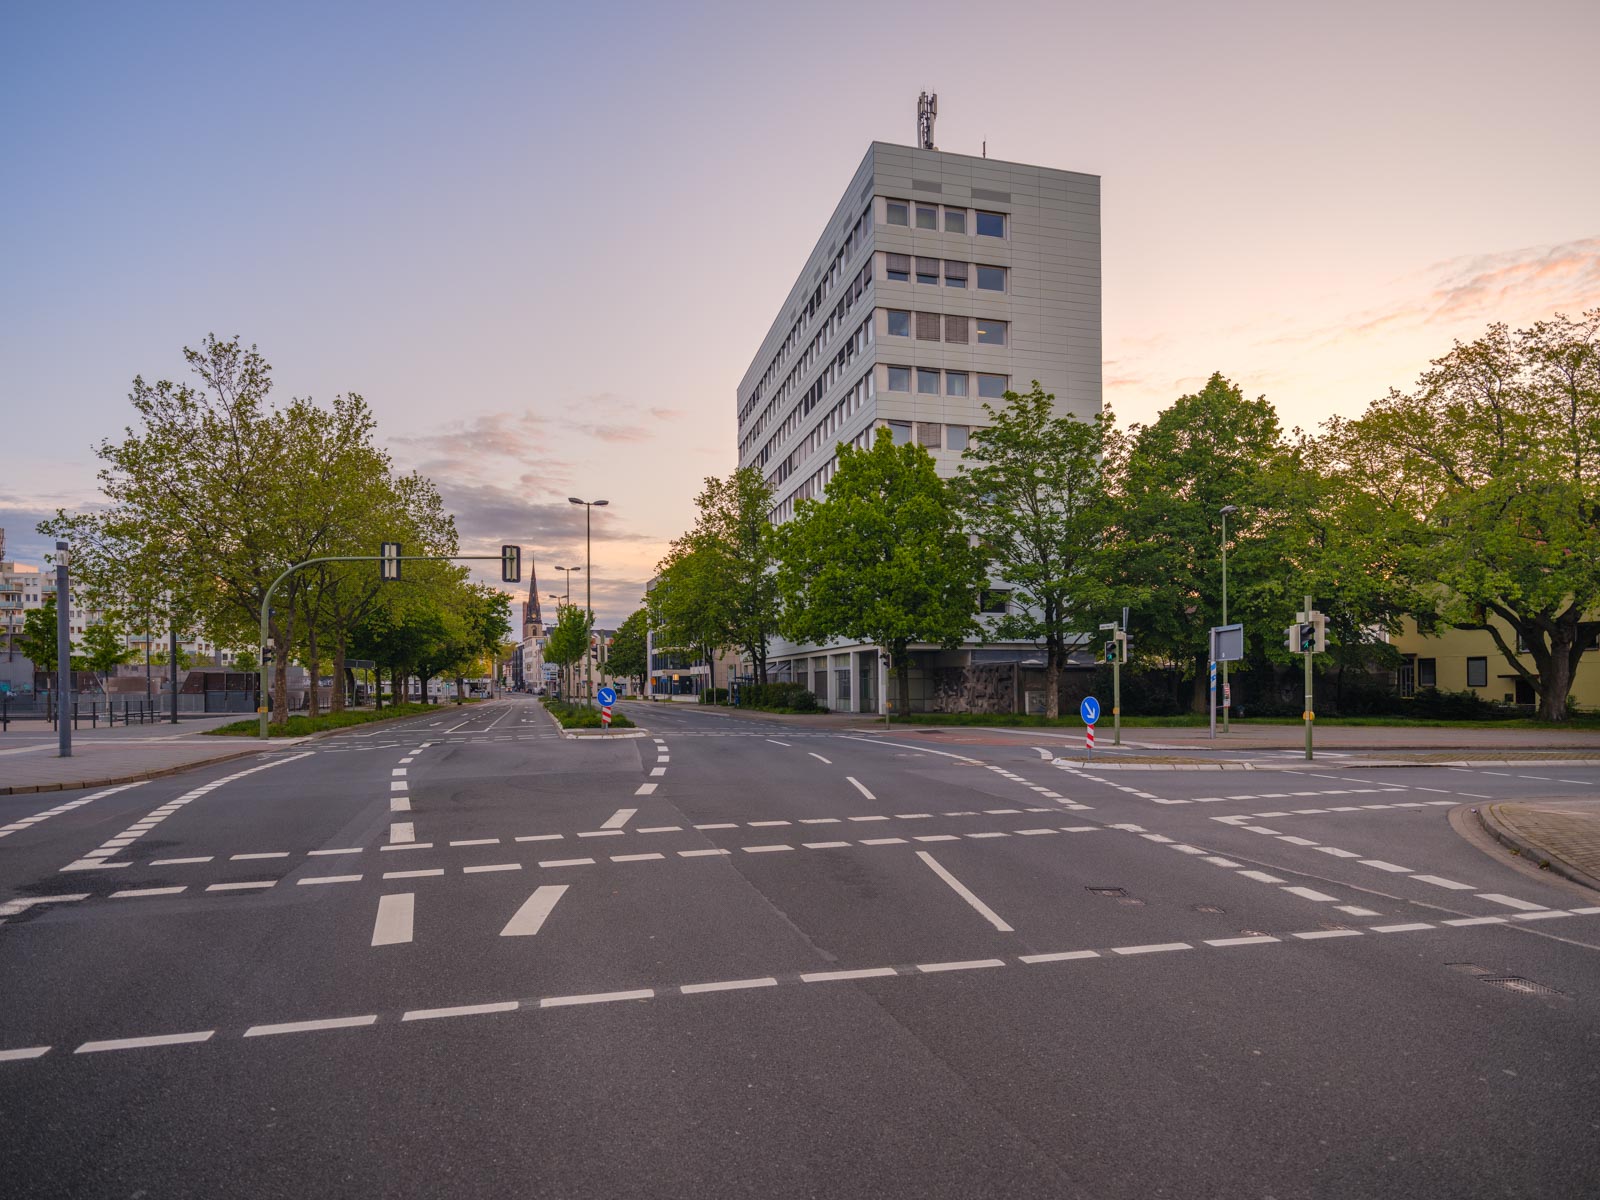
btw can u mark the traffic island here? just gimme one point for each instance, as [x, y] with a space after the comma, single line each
[1559, 836]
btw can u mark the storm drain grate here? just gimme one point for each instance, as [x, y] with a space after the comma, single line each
[1515, 983]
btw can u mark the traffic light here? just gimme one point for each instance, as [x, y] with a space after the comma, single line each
[266, 653]
[1111, 651]
[1291, 639]
[510, 564]
[1308, 637]
[389, 562]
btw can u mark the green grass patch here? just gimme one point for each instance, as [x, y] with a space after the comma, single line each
[299, 726]
[579, 716]
[1583, 721]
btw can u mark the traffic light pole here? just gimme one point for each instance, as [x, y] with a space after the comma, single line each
[1310, 714]
[1116, 700]
[266, 602]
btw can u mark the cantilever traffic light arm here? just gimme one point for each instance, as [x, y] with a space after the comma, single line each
[391, 560]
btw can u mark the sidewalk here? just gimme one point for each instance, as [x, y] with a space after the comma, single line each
[28, 761]
[1562, 836]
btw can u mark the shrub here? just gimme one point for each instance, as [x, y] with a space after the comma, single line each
[714, 695]
[581, 716]
[779, 697]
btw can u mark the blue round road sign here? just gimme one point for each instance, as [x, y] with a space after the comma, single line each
[1089, 710]
[606, 695]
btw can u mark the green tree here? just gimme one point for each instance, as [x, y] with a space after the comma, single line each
[628, 658]
[884, 559]
[246, 662]
[1033, 492]
[568, 640]
[1486, 477]
[37, 641]
[105, 648]
[1172, 479]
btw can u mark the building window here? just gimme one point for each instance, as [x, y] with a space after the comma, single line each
[992, 387]
[991, 333]
[1428, 672]
[897, 267]
[928, 271]
[955, 274]
[928, 326]
[928, 435]
[898, 213]
[955, 220]
[955, 437]
[901, 431]
[991, 279]
[991, 224]
[927, 381]
[927, 217]
[993, 600]
[899, 323]
[899, 379]
[955, 383]
[1477, 672]
[955, 329]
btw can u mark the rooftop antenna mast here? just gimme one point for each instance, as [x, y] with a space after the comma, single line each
[927, 110]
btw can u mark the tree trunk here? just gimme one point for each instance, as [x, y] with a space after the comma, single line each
[313, 700]
[461, 689]
[1052, 683]
[377, 686]
[337, 702]
[902, 670]
[1555, 682]
[1202, 685]
[280, 672]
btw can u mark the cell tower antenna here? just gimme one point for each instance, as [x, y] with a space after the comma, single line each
[927, 110]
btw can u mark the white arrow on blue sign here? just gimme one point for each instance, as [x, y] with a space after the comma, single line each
[606, 695]
[1089, 710]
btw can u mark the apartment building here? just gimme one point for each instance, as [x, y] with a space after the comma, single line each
[940, 282]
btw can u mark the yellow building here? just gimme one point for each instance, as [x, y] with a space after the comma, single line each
[1468, 660]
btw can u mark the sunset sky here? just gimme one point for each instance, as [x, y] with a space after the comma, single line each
[545, 243]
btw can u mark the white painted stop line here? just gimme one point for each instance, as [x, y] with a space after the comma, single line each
[530, 918]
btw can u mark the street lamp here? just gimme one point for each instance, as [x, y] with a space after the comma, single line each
[588, 586]
[1226, 509]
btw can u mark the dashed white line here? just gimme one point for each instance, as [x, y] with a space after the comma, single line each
[139, 1043]
[965, 893]
[535, 910]
[311, 1026]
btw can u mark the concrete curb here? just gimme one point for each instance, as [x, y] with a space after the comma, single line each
[135, 777]
[1316, 763]
[1535, 855]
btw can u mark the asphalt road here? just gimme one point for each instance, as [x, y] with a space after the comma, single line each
[465, 956]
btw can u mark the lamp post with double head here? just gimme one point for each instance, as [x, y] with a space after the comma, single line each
[1227, 510]
[588, 587]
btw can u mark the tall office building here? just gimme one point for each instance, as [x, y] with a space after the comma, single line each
[940, 282]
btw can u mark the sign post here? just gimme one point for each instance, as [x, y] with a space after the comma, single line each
[607, 697]
[1089, 710]
[1227, 645]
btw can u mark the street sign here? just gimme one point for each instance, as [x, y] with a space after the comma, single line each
[1089, 710]
[606, 696]
[605, 716]
[1227, 643]
[510, 564]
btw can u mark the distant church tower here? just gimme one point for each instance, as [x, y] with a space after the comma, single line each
[532, 621]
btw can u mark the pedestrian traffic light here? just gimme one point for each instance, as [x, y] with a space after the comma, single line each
[1111, 651]
[1291, 639]
[1308, 637]
[510, 564]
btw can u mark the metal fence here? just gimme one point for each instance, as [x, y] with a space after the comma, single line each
[90, 710]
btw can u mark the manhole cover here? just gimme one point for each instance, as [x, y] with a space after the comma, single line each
[1515, 983]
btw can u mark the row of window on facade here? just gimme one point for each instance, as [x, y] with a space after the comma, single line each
[832, 421]
[956, 383]
[956, 220]
[954, 327]
[930, 435]
[898, 267]
[818, 483]
[807, 401]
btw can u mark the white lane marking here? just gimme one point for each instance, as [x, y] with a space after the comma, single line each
[1260, 876]
[398, 772]
[476, 842]
[619, 818]
[658, 770]
[603, 833]
[149, 891]
[398, 785]
[818, 821]
[238, 887]
[1385, 866]
[1547, 915]
[261, 854]
[636, 857]
[1253, 940]
[768, 824]
[530, 918]
[1311, 894]
[645, 789]
[566, 862]
[659, 829]
[1217, 860]
[597, 998]
[1295, 840]
[423, 873]
[819, 757]
[460, 1010]
[776, 742]
[1511, 901]
[703, 853]
[1449, 884]
[892, 841]
[860, 787]
[541, 837]
[765, 849]
[486, 867]
[311, 1026]
[399, 804]
[314, 879]
[1314, 934]
[824, 845]
[728, 985]
[1407, 928]
[919, 749]
[1355, 910]
[183, 862]
[341, 850]
[408, 846]
[1059, 956]
[965, 893]
[971, 964]
[1153, 948]
[719, 825]
[1338, 853]
[393, 926]
[23, 1052]
[138, 1043]
[834, 976]
[402, 831]
[663, 758]
[1477, 921]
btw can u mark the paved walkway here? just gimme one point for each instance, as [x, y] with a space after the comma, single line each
[1561, 834]
[29, 762]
